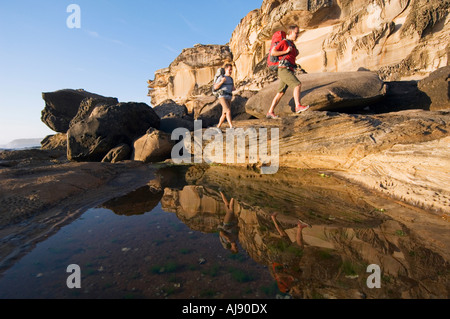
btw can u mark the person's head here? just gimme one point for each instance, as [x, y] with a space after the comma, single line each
[293, 32]
[228, 68]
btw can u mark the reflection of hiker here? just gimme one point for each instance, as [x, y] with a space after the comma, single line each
[287, 53]
[228, 231]
[224, 85]
[286, 256]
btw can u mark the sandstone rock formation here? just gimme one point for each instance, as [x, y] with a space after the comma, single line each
[322, 91]
[154, 146]
[107, 127]
[63, 105]
[389, 152]
[117, 154]
[189, 75]
[437, 88]
[174, 116]
[88, 105]
[55, 142]
[169, 108]
[397, 38]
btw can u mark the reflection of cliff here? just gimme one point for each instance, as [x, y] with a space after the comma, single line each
[347, 234]
[197, 207]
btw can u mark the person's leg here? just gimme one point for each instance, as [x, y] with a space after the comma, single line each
[297, 95]
[291, 79]
[281, 90]
[299, 236]
[279, 229]
[222, 119]
[224, 104]
[275, 102]
[228, 113]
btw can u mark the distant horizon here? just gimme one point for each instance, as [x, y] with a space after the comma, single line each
[27, 141]
[119, 46]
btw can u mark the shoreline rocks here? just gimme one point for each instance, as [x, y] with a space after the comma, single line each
[106, 128]
[63, 105]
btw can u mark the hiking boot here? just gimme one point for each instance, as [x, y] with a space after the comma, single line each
[301, 108]
[272, 116]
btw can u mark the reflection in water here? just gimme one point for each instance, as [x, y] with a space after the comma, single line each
[315, 234]
[228, 231]
[307, 234]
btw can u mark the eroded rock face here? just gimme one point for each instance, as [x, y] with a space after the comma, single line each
[189, 75]
[55, 142]
[398, 38]
[63, 105]
[108, 127]
[118, 154]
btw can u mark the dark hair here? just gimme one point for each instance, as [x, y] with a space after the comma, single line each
[228, 65]
[292, 28]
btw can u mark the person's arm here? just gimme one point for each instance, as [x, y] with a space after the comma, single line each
[276, 53]
[219, 84]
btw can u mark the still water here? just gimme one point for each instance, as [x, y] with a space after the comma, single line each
[218, 232]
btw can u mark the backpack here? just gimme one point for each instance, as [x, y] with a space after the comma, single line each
[220, 72]
[272, 61]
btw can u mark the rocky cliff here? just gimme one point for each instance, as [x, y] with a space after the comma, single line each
[189, 75]
[398, 39]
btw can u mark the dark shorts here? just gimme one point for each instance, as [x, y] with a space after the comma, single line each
[287, 79]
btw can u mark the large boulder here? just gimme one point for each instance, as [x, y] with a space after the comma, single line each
[169, 108]
[88, 105]
[63, 105]
[108, 126]
[154, 146]
[437, 87]
[322, 91]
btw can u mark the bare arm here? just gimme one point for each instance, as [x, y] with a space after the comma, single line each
[280, 53]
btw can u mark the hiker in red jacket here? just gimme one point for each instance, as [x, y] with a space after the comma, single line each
[287, 53]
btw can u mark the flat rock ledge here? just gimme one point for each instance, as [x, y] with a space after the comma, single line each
[404, 155]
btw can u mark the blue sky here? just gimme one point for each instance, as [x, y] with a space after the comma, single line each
[117, 49]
